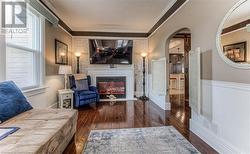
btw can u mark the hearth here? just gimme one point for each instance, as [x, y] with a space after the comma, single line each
[112, 85]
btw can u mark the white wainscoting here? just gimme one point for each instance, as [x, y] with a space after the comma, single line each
[128, 72]
[228, 128]
[157, 82]
[158, 99]
[195, 80]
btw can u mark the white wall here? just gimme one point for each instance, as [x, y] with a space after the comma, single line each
[48, 95]
[81, 44]
[2, 56]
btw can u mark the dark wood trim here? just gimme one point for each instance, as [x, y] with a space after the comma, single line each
[108, 34]
[187, 48]
[236, 26]
[65, 26]
[173, 9]
[182, 35]
[61, 22]
[170, 12]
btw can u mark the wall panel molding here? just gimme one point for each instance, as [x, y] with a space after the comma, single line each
[228, 131]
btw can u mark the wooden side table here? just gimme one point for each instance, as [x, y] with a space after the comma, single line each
[66, 99]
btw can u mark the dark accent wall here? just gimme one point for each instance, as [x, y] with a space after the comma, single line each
[52, 33]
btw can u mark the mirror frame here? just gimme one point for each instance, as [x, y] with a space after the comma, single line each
[218, 38]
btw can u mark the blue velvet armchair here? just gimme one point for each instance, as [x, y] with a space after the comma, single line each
[83, 97]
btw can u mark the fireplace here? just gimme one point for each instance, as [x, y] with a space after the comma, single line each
[111, 86]
[113, 73]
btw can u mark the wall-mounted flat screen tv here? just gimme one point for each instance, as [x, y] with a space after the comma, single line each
[110, 51]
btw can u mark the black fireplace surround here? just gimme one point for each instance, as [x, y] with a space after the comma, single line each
[115, 85]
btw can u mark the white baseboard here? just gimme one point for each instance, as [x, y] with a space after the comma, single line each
[212, 139]
[223, 123]
[138, 93]
[168, 106]
[160, 101]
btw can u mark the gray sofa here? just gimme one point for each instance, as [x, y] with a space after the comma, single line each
[41, 131]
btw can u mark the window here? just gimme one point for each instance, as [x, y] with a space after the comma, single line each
[23, 53]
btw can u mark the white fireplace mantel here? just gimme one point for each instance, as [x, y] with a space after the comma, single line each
[127, 72]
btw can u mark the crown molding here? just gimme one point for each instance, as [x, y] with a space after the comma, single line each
[108, 34]
[236, 27]
[170, 12]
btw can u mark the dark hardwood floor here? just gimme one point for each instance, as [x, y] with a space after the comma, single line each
[133, 114]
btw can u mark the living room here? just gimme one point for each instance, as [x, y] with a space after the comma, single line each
[93, 77]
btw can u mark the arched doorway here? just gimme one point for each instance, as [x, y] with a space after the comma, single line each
[177, 52]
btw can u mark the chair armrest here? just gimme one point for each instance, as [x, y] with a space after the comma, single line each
[76, 91]
[93, 88]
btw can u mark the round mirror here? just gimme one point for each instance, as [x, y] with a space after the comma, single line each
[233, 39]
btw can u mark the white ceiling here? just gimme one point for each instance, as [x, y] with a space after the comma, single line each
[240, 14]
[110, 15]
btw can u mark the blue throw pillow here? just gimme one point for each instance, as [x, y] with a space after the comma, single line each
[82, 84]
[12, 101]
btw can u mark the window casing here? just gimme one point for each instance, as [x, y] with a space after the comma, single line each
[24, 53]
